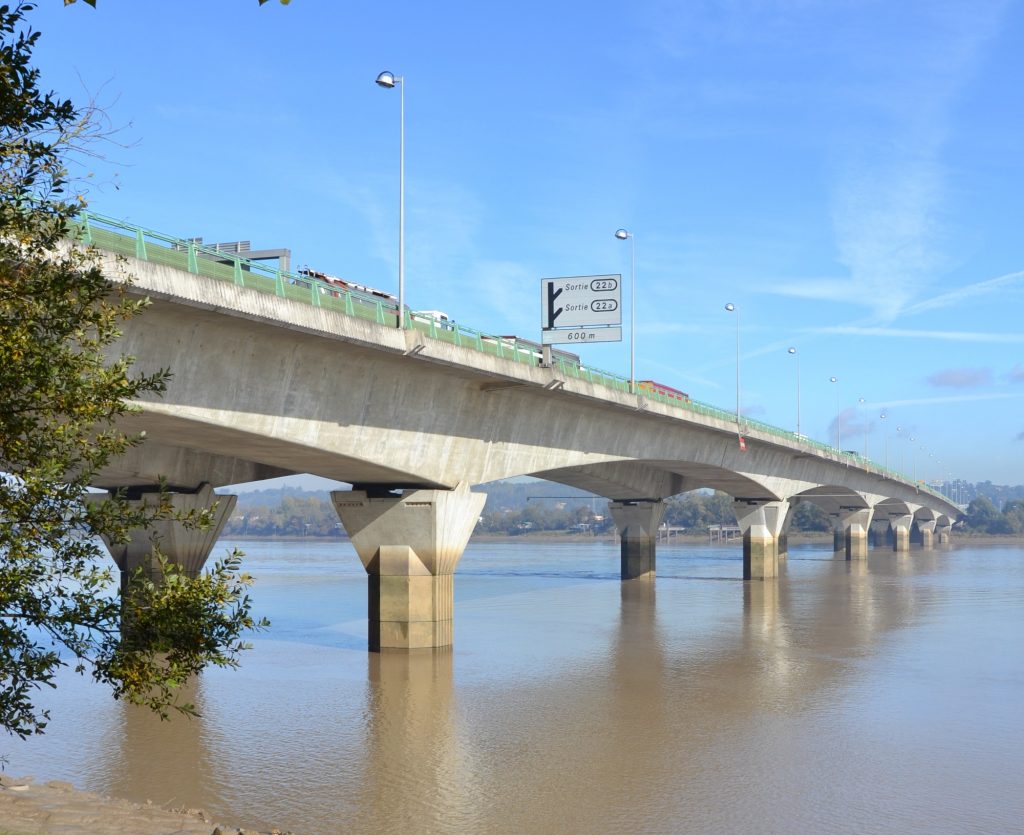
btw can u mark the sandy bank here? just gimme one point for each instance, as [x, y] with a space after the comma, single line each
[30, 808]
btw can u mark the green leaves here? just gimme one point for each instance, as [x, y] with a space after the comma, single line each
[63, 389]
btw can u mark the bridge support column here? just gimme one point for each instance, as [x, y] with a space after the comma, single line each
[782, 540]
[855, 524]
[761, 524]
[879, 532]
[943, 533]
[901, 531]
[182, 543]
[927, 533]
[637, 522]
[409, 546]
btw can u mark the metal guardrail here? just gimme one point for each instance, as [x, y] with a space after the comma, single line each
[129, 239]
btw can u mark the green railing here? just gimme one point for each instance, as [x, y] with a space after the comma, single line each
[128, 239]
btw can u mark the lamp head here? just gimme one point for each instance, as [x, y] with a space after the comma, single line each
[791, 351]
[386, 79]
[621, 234]
[730, 307]
[833, 379]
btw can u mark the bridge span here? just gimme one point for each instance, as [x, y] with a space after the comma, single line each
[276, 373]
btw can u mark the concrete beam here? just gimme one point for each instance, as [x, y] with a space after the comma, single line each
[637, 523]
[410, 546]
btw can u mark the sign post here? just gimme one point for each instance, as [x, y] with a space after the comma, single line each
[581, 309]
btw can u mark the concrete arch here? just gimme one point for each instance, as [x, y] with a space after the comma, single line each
[660, 479]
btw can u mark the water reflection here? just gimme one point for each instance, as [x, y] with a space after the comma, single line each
[859, 696]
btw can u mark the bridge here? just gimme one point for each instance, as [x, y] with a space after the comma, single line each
[278, 373]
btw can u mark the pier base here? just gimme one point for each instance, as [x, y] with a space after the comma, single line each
[410, 546]
[856, 524]
[927, 533]
[761, 524]
[637, 523]
[901, 525]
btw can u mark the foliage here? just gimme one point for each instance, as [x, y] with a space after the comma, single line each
[62, 389]
[290, 516]
[983, 517]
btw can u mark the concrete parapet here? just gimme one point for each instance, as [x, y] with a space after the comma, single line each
[410, 546]
[761, 524]
[180, 541]
[637, 523]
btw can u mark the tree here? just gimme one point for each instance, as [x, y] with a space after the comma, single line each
[982, 515]
[62, 389]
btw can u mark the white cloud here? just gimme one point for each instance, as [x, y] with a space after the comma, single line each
[904, 333]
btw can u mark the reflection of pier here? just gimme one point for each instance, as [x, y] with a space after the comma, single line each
[723, 533]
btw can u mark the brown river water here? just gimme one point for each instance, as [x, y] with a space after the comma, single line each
[883, 696]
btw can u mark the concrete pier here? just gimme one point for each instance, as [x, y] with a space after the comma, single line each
[637, 522]
[927, 528]
[180, 541]
[901, 525]
[761, 524]
[410, 546]
[943, 533]
[855, 525]
[879, 532]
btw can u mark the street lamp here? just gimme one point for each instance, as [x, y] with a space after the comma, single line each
[732, 309]
[793, 352]
[860, 400]
[389, 80]
[899, 431]
[883, 417]
[839, 416]
[623, 235]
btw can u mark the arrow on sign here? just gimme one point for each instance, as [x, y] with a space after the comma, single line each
[552, 295]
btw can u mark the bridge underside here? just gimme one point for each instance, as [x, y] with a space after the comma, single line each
[265, 387]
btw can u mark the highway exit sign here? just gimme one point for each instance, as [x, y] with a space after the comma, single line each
[581, 301]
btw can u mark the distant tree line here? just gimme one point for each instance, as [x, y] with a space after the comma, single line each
[512, 509]
[983, 516]
[516, 508]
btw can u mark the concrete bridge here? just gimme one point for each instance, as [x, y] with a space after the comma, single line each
[277, 373]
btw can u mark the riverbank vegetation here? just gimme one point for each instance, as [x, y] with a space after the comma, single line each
[63, 389]
[517, 508]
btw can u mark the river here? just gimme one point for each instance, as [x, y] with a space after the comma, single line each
[847, 697]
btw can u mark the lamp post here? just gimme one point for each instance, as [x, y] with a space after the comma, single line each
[623, 235]
[389, 80]
[860, 401]
[793, 352]
[733, 309]
[839, 416]
[883, 417]
[899, 434]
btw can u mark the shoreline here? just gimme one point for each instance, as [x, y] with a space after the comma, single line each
[30, 808]
[799, 537]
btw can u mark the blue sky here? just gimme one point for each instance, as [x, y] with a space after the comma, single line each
[848, 174]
